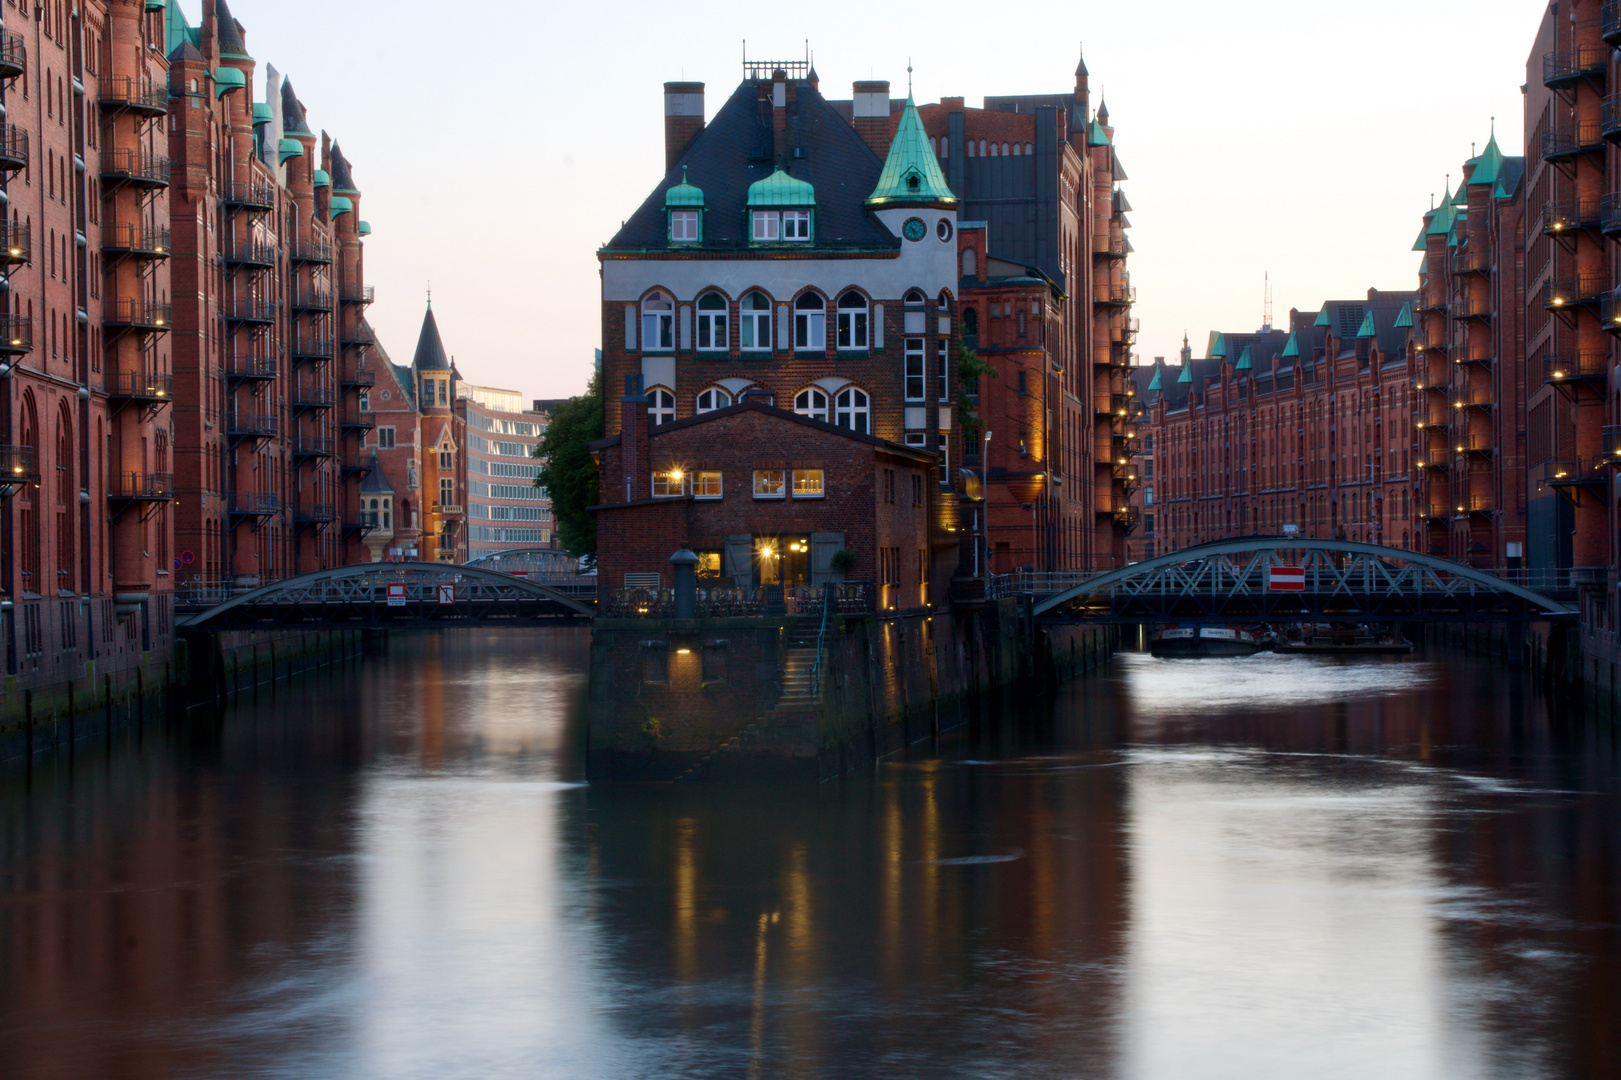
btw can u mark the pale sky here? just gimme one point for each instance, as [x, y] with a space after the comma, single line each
[499, 144]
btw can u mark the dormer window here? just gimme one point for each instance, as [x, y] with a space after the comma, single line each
[796, 224]
[684, 207]
[766, 225]
[781, 209]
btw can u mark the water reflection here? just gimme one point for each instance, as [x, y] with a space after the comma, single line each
[1278, 866]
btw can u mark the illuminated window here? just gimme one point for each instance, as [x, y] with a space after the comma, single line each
[706, 485]
[808, 484]
[669, 484]
[768, 484]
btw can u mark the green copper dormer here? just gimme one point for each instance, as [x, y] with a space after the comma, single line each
[1218, 346]
[1187, 375]
[1445, 215]
[1245, 361]
[1154, 384]
[782, 210]
[1404, 317]
[1291, 350]
[287, 149]
[262, 113]
[1423, 232]
[1322, 317]
[363, 228]
[684, 211]
[177, 30]
[1366, 330]
[1490, 163]
[339, 205]
[320, 178]
[227, 79]
[911, 170]
[1096, 136]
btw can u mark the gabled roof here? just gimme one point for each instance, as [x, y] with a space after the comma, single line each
[1489, 163]
[1246, 360]
[1291, 350]
[911, 171]
[179, 33]
[375, 481]
[430, 354]
[1218, 345]
[1154, 383]
[1187, 374]
[1322, 317]
[1404, 318]
[734, 150]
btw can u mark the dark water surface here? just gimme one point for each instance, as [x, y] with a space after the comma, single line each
[1264, 868]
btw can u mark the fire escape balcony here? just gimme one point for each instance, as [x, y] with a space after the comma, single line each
[1433, 458]
[254, 504]
[136, 168]
[1571, 141]
[314, 514]
[1609, 313]
[255, 253]
[1118, 294]
[136, 313]
[1435, 512]
[317, 347]
[13, 148]
[305, 298]
[1612, 446]
[357, 294]
[13, 55]
[250, 194]
[1432, 300]
[356, 464]
[1472, 397]
[1113, 247]
[140, 241]
[1433, 417]
[1585, 290]
[1571, 476]
[249, 366]
[310, 251]
[16, 469]
[1564, 68]
[1465, 442]
[122, 93]
[1127, 474]
[134, 487]
[1464, 505]
[311, 397]
[1562, 219]
[359, 334]
[1570, 367]
[350, 378]
[15, 243]
[1609, 215]
[1609, 22]
[1472, 261]
[248, 309]
[361, 521]
[246, 425]
[134, 387]
[309, 446]
[16, 334]
[1473, 354]
[358, 420]
[1609, 118]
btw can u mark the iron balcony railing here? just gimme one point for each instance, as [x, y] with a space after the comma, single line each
[120, 92]
[1583, 364]
[1563, 67]
[1103, 244]
[1566, 217]
[16, 334]
[137, 312]
[1471, 397]
[1431, 300]
[16, 246]
[312, 446]
[358, 294]
[1435, 511]
[13, 55]
[16, 465]
[312, 397]
[358, 420]
[358, 335]
[1473, 504]
[1576, 470]
[1572, 140]
[1609, 22]
[248, 309]
[349, 377]
[310, 251]
[156, 487]
[1472, 261]
[254, 503]
[248, 252]
[13, 148]
[251, 366]
[312, 346]
[1612, 445]
[129, 238]
[1432, 458]
[1464, 442]
[138, 168]
[136, 386]
[1471, 309]
[310, 299]
[252, 193]
[1571, 291]
[1432, 417]
[1609, 214]
[252, 425]
[361, 520]
[317, 513]
[1473, 354]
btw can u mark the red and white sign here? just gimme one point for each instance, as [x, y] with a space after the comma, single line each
[1287, 579]
[396, 594]
[447, 595]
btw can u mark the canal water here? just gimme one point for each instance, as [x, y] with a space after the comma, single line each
[1257, 868]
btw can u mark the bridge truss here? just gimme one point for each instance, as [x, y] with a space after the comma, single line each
[1340, 581]
[393, 595]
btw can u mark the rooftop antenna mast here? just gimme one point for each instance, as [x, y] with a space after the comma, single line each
[1266, 304]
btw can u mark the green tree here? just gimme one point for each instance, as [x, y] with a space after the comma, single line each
[969, 369]
[568, 473]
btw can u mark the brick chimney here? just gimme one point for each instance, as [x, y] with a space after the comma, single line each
[870, 113]
[779, 118]
[683, 119]
[635, 449]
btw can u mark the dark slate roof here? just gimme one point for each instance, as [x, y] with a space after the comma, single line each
[734, 150]
[1080, 68]
[185, 51]
[343, 180]
[292, 110]
[1509, 174]
[375, 480]
[229, 31]
[1385, 306]
[430, 354]
[408, 385]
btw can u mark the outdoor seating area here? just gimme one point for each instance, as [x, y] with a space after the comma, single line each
[724, 602]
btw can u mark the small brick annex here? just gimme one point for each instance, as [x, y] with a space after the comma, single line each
[877, 501]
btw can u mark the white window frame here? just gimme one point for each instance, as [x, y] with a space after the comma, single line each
[766, 488]
[712, 323]
[812, 402]
[804, 479]
[658, 323]
[754, 323]
[660, 406]
[766, 224]
[810, 324]
[853, 323]
[850, 405]
[701, 484]
[718, 399]
[945, 370]
[662, 485]
[914, 371]
[684, 226]
[796, 226]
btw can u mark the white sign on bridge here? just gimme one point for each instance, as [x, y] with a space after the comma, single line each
[1287, 579]
[447, 594]
[396, 594]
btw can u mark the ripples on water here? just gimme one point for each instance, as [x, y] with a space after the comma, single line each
[1267, 867]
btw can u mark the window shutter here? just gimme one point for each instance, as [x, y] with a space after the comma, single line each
[630, 327]
[823, 545]
[737, 560]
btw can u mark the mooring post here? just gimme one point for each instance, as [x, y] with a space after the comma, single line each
[686, 583]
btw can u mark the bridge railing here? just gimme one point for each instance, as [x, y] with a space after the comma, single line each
[843, 598]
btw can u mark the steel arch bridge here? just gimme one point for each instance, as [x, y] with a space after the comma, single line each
[1231, 581]
[393, 595]
[530, 560]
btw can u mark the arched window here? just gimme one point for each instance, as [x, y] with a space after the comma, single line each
[993, 149]
[754, 324]
[712, 322]
[970, 147]
[852, 313]
[982, 148]
[810, 322]
[945, 146]
[658, 323]
[913, 297]
[1017, 149]
[970, 322]
[660, 406]
[934, 146]
[1029, 148]
[851, 409]
[811, 402]
[1004, 149]
[970, 263]
[712, 399]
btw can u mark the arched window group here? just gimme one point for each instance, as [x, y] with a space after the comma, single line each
[852, 321]
[810, 322]
[712, 399]
[660, 406]
[658, 323]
